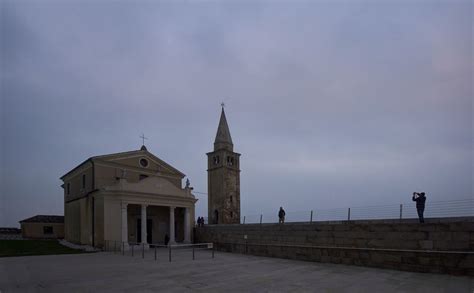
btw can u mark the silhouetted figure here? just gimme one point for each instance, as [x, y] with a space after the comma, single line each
[420, 199]
[281, 216]
[167, 239]
[200, 221]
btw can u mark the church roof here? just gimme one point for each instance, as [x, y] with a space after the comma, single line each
[223, 133]
[44, 219]
[142, 150]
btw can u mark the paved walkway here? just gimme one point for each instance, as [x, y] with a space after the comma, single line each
[108, 272]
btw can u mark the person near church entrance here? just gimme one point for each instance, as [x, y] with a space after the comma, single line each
[167, 239]
[200, 221]
[281, 216]
[420, 199]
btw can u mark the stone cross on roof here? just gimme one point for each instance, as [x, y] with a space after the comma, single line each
[143, 138]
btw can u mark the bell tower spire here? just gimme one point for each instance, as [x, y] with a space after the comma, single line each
[223, 139]
[223, 175]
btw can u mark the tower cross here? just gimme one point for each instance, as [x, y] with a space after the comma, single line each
[222, 105]
[143, 138]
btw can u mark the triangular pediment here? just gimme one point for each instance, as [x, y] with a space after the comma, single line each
[150, 185]
[141, 159]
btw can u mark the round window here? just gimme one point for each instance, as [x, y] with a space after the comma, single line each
[144, 163]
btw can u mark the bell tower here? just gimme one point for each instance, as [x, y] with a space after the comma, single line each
[223, 178]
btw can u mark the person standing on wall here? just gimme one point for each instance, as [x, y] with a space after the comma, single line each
[420, 199]
[281, 216]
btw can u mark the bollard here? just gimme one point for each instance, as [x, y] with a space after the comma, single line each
[311, 219]
[244, 219]
[401, 209]
[170, 253]
[193, 252]
[349, 214]
[143, 250]
[155, 252]
[261, 219]
[115, 246]
[212, 250]
[132, 249]
[123, 248]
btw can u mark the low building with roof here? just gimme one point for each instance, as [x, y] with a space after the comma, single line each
[43, 227]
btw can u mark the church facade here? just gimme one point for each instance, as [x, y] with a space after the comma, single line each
[129, 197]
[223, 169]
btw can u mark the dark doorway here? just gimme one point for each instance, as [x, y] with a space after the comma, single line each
[216, 217]
[149, 229]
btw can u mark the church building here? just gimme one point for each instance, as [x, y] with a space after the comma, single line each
[129, 197]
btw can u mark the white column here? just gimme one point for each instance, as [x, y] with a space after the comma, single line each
[187, 226]
[124, 226]
[144, 234]
[172, 236]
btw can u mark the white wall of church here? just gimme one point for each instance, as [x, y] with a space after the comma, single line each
[112, 220]
[72, 221]
[99, 221]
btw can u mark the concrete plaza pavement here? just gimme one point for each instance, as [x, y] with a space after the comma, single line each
[109, 272]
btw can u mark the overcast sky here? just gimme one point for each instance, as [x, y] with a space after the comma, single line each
[331, 104]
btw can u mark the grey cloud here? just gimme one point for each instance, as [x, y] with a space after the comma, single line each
[358, 100]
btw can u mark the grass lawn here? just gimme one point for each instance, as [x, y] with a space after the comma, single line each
[33, 247]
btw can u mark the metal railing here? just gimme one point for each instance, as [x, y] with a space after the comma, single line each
[158, 251]
[407, 210]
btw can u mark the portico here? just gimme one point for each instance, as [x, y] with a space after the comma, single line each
[147, 218]
[154, 222]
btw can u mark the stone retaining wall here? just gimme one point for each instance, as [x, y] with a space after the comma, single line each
[438, 247]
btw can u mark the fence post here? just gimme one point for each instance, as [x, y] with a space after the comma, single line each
[311, 219]
[155, 252]
[244, 219]
[261, 219]
[401, 211]
[169, 253]
[349, 214]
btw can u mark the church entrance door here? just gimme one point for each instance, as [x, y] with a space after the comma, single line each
[149, 230]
